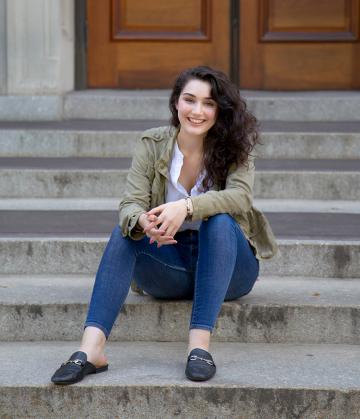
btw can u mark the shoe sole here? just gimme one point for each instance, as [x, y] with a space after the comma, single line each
[199, 379]
[97, 371]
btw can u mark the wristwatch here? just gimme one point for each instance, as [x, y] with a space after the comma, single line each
[189, 208]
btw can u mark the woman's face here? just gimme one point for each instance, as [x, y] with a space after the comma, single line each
[197, 111]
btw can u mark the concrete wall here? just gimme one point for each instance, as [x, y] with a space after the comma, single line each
[36, 47]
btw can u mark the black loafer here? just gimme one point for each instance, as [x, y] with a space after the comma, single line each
[75, 369]
[200, 365]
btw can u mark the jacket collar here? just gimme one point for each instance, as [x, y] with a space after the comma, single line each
[162, 165]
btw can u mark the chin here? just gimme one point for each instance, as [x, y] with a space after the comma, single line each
[196, 130]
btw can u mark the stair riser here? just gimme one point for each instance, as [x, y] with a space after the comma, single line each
[82, 256]
[44, 143]
[162, 321]
[110, 183]
[145, 106]
[195, 402]
[265, 109]
[31, 108]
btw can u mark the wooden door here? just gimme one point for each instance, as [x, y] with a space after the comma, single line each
[144, 44]
[299, 44]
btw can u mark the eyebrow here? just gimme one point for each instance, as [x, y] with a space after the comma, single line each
[190, 94]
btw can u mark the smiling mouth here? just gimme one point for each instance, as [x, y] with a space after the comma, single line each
[196, 121]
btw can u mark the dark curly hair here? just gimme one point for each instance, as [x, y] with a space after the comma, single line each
[234, 134]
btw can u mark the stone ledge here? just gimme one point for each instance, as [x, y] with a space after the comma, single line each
[30, 108]
[78, 255]
[150, 105]
[278, 310]
[108, 183]
[147, 380]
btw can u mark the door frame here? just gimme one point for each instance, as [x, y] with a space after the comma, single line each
[81, 46]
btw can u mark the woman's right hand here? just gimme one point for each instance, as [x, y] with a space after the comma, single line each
[155, 234]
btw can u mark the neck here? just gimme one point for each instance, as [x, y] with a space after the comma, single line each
[190, 144]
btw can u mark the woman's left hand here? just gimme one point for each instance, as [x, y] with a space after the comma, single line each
[170, 215]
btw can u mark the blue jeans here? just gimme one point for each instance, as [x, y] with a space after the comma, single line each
[209, 266]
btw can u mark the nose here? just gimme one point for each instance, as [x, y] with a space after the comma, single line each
[197, 108]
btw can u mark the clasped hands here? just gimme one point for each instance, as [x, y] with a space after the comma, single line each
[161, 223]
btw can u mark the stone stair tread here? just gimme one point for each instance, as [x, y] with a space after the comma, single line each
[278, 310]
[145, 104]
[268, 291]
[296, 366]
[264, 94]
[278, 140]
[112, 204]
[93, 223]
[123, 163]
[139, 125]
[80, 255]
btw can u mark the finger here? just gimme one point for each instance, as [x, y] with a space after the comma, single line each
[160, 243]
[166, 243]
[150, 226]
[160, 239]
[155, 232]
[164, 227]
[156, 210]
[172, 232]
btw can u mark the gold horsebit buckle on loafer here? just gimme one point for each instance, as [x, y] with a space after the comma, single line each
[195, 357]
[74, 361]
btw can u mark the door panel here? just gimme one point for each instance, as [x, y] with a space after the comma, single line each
[144, 44]
[299, 44]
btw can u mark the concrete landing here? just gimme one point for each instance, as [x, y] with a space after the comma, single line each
[147, 380]
[162, 363]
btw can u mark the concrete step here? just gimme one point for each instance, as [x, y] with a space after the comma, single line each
[146, 380]
[106, 177]
[61, 255]
[278, 310]
[116, 138]
[91, 223]
[111, 204]
[153, 104]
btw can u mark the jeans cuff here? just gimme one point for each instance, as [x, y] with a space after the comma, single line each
[99, 326]
[201, 326]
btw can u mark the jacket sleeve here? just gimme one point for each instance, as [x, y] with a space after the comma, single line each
[236, 198]
[137, 194]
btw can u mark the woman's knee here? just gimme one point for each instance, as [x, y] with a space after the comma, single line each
[218, 221]
[117, 239]
[218, 224]
[235, 294]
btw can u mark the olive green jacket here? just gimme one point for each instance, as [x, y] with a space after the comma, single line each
[146, 188]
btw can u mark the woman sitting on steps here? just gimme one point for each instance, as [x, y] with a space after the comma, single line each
[187, 227]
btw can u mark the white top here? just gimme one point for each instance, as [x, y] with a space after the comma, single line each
[176, 191]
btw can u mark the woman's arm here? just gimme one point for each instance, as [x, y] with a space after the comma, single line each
[136, 200]
[234, 199]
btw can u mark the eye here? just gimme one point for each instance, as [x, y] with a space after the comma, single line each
[210, 104]
[187, 99]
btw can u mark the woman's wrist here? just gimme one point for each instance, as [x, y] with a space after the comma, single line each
[142, 220]
[189, 207]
